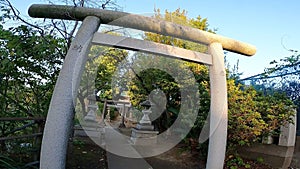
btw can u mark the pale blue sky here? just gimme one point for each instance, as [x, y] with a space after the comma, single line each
[266, 24]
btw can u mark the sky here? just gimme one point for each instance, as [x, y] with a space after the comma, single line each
[272, 26]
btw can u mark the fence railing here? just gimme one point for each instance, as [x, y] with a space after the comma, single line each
[10, 139]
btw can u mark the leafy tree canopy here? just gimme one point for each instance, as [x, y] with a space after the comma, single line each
[250, 112]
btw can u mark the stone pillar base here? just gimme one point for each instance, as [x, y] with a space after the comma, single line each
[143, 137]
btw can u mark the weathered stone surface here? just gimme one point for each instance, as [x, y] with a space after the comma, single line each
[218, 108]
[143, 137]
[274, 155]
[288, 134]
[143, 133]
[60, 114]
[144, 141]
[142, 23]
[144, 127]
[88, 132]
[91, 116]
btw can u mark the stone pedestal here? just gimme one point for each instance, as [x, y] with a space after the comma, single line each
[88, 130]
[143, 137]
[91, 115]
[90, 126]
[145, 127]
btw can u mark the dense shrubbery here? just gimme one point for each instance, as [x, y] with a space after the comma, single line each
[29, 66]
[253, 115]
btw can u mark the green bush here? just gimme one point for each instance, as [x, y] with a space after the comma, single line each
[235, 162]
[252, 115]
[9, 163]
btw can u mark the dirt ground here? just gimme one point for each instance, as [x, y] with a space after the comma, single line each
[178, 157]
[84, 154]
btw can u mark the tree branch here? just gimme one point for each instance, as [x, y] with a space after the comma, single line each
[17, 13]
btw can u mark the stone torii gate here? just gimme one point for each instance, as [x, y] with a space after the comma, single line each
[60, 114]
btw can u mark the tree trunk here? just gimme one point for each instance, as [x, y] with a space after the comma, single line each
[83, 106]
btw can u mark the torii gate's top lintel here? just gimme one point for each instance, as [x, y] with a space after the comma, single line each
[141, 23]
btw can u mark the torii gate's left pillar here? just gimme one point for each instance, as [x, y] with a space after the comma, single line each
[55, 141]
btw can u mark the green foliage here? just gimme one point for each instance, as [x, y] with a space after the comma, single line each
[114, 115]
[98, 74]
[107, 66]
[245, 122]
[29, 66]
[282, 76]
[9, 163]
[278, 82]
[78, 143]
[148, 81]
[6, 162]
[235, 162]
[252, 115]
[260, 159]
[179, 17]
[31, 57]
[151, 79]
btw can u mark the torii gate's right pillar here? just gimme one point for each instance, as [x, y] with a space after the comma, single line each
[218, 108]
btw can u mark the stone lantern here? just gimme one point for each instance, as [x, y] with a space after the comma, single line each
[143, 133]
[92, 108]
